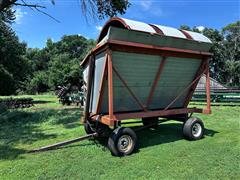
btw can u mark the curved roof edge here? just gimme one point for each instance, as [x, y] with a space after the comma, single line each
[151, 28]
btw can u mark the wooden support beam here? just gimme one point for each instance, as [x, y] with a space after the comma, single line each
[157, 77]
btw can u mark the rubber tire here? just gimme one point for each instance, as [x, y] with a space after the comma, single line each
[150, 120]
[113, 141]
[187, 128]
[87, 128]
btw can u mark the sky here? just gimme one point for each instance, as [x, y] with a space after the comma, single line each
[35, 28]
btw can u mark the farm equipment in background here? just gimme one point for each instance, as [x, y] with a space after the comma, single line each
[219, 92]
[218, 95]
[69, 95]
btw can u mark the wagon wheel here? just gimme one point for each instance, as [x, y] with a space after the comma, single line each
[151, 122]
[193, 129]
[122, 142]
[88, 127]
[92, 127]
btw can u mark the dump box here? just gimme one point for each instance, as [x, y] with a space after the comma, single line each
[140, 70]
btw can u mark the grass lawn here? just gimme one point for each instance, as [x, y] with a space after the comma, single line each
[163, 153]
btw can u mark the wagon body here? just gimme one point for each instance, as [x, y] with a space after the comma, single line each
[140, 70]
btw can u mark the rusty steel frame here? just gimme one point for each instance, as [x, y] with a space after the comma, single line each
[112, 118]
[208, 90]
[110, 84]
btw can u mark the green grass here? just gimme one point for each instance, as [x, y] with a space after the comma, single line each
[163, 153]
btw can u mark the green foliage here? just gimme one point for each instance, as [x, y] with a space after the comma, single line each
[38, 83]
[14, 66]
[225, 62]
[3, 108]
[185, 27]
[106, 8]
[64, 70]
[7, 82]
[7, 15]
[57, 64]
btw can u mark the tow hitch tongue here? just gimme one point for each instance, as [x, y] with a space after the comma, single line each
[53, 146]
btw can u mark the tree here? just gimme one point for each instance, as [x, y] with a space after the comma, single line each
[225, 63]
[11, 57]
[185, 27]
[38, 83]
[57, 64]
[103, 8]
[7, 15]
[231, 43]
[7, 82]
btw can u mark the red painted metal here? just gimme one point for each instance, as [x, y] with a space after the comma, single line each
[159, 31]
[113, 21]
[110, 85]
[208, 110]
[188, 36]
[133, 115]
[157, 77]
[161, 50]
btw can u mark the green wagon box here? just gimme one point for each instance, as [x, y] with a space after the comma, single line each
[146, 71]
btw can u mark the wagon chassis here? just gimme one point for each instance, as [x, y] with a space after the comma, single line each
[113, 119]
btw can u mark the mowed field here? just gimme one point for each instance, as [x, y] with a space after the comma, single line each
[163, 153]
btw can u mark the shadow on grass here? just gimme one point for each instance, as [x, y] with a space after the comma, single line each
[164, 133]
[9, 153]
[42, 102]
[19, 127]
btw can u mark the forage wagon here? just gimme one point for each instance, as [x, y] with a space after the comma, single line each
[146, 71]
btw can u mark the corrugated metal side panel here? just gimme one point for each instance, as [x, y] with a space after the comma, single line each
[140, 26]
[85, 73]
[165, 41]
[139, 71]
[177, 74]
[99, 65]
[169, 31]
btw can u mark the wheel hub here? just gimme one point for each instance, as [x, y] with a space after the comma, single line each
[196, 130]
[125, 143]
